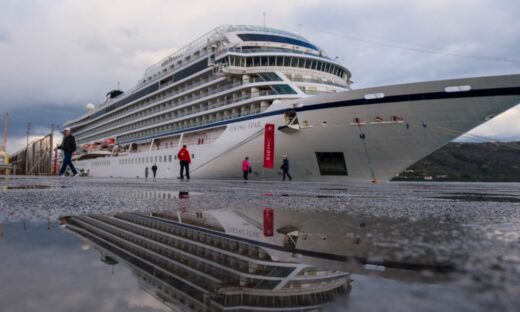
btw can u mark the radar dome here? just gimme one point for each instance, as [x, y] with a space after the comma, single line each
[85, 246]
[90, 107]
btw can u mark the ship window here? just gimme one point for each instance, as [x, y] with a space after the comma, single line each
[278, 39]
[270, 77]
[283, 89]
[457, 88]
[279, 61]
[272, 61]
[170, 158]
[331, 163]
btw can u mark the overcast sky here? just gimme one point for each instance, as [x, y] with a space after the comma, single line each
[58, 55]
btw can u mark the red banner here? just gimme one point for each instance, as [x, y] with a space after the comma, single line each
[269, 146]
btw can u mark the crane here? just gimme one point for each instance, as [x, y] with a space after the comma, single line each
[4, 136]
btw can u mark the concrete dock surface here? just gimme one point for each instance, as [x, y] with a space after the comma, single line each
[466, 236]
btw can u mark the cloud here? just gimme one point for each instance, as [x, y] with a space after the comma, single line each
[504, 127]
[41, 116]
[4, 36]
[69, 53]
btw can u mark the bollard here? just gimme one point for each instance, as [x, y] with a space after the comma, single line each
[55, 166]
[268, 221]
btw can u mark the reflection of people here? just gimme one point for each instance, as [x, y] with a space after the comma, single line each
[146, 173]
[246, 168]
[68, 146]
[285, 168]
[184, 161]
[154, 170]
[184, 202]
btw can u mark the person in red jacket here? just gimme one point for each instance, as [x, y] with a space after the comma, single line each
[185, 160]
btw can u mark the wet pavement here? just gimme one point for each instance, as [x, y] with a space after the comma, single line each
[390, 246]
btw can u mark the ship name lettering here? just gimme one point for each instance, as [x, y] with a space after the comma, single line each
[244, 232]
[245, 126]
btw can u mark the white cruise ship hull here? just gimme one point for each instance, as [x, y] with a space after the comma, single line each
[395, 127]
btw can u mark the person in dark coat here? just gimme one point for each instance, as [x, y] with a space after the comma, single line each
[285, 168]
[146, 173]
[68, 146]
[154, 170]
[184, 161]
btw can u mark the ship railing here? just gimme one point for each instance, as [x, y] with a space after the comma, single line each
[190, 99]
[140, 106]
[270, 49]
[191, 86]
[315, 92]
[195, 45]
[217, 119]
[123, 241]
[320, 81]
[162, 73]
[179, 103]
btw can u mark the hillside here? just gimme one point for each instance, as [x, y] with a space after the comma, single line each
[488, 162]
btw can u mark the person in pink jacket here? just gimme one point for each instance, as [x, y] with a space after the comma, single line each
[246, 167]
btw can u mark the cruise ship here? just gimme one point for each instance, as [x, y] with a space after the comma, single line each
[217, 94]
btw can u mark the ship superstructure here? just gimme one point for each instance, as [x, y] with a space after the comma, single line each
[231, 72]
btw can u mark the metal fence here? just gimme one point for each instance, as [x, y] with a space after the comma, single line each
[36, 158]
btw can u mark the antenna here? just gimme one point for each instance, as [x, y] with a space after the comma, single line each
[263, 18]
[300, 29]
[118, 85]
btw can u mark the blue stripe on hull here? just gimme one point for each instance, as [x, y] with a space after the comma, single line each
[355, 102]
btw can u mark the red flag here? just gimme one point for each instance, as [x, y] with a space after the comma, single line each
[269, 146]
[268, 222]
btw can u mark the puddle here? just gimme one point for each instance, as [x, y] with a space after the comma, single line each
[49, 270]
[237, 266]
[158, 194]
[175, 255]
[255, 258]
[481, 197]
[309, 195]
[33, 187]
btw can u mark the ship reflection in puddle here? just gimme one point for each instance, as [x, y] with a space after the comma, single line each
[250, 259]
[32, 187]
[158, 194]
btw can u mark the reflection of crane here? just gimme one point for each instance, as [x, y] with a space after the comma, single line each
[4, 138]
[3, 153]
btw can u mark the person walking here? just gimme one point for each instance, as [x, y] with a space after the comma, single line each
[285, 168]
[246, 168]
[184, 161]
[154, 170]
[68, 146]
[146, 173]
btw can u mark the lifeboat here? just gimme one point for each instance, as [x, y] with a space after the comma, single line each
[105, 142]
